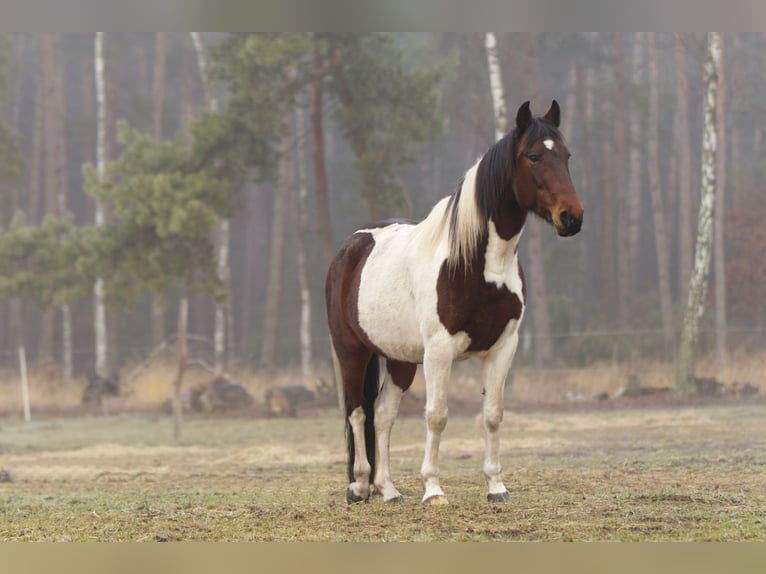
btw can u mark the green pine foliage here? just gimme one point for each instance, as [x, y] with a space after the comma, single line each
[165, 206]
[386, 109]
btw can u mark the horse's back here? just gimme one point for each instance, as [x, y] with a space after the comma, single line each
[369, 284]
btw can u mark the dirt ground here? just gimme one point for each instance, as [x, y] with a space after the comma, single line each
[673, 472]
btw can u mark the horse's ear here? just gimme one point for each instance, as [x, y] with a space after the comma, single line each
[523, 118]
[554, 114]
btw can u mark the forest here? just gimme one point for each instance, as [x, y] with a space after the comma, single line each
[143, 174]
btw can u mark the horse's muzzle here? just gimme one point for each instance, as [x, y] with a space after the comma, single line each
[570, 224]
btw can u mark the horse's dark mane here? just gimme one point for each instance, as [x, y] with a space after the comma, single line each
[493, 180]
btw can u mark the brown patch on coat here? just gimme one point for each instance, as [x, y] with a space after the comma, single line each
[467, 303]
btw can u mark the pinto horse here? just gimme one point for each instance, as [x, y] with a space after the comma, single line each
[442, 290]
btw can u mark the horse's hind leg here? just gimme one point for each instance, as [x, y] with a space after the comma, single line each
[495, 371]
[399, 379]
[353, 372]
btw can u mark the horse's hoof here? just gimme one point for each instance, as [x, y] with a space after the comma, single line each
[499, 497]
[437, 499]
[395, 499]
[353, 498]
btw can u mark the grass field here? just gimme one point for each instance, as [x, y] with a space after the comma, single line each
[681, 473]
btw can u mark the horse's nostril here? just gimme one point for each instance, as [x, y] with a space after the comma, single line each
[566, 219]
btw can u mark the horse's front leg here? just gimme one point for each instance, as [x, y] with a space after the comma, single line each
[495, 371]
[437, 366]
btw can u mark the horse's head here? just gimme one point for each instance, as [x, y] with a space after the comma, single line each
[541, 178]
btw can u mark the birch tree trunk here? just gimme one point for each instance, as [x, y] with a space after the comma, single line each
[658, 209]
[719, 255]
[302, 227]
[684, 383]
[219, 333]
[737, 80]
[99, 310]
[496, 85]
[682, 147]
[158, 100]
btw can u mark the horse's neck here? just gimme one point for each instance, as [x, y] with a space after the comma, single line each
[509, 221]
[500, 250]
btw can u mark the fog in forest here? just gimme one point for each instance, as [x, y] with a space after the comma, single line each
[306, 137]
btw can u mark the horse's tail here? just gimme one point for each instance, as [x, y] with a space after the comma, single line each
[370, 393]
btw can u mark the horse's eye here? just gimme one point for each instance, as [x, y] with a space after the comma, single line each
[533, 157]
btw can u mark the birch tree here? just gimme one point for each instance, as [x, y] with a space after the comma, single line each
[222, 254]
[302, 227]
[496, 85]
[719, 256]
[98, 291]
[684, 383]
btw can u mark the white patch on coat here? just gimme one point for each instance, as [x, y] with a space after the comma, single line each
[501, 261]
[548, 143]
[397, 302]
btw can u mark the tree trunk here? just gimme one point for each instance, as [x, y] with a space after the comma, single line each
[51, 181]
[538, 297]
[658, 209]
[268, 362]
[55, 183]
[324, 219]
[249, 266]
[219, 333]
[738, 179]
[158, 84]
[302, 228]
[496, 86]
[619, 161]
[684, 383]
[158, 101]
[719, 255]
[99, 310]
[34, 188]
[608, 251]
[636, 161]
[62, 177]
[15, 309]
[183, 318]
[682, 147]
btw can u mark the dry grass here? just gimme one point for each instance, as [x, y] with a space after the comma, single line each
[667, 474]
[146, 390]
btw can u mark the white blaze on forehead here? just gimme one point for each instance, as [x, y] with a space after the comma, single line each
[548, 143]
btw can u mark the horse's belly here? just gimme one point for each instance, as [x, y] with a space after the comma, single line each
[387, 308]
